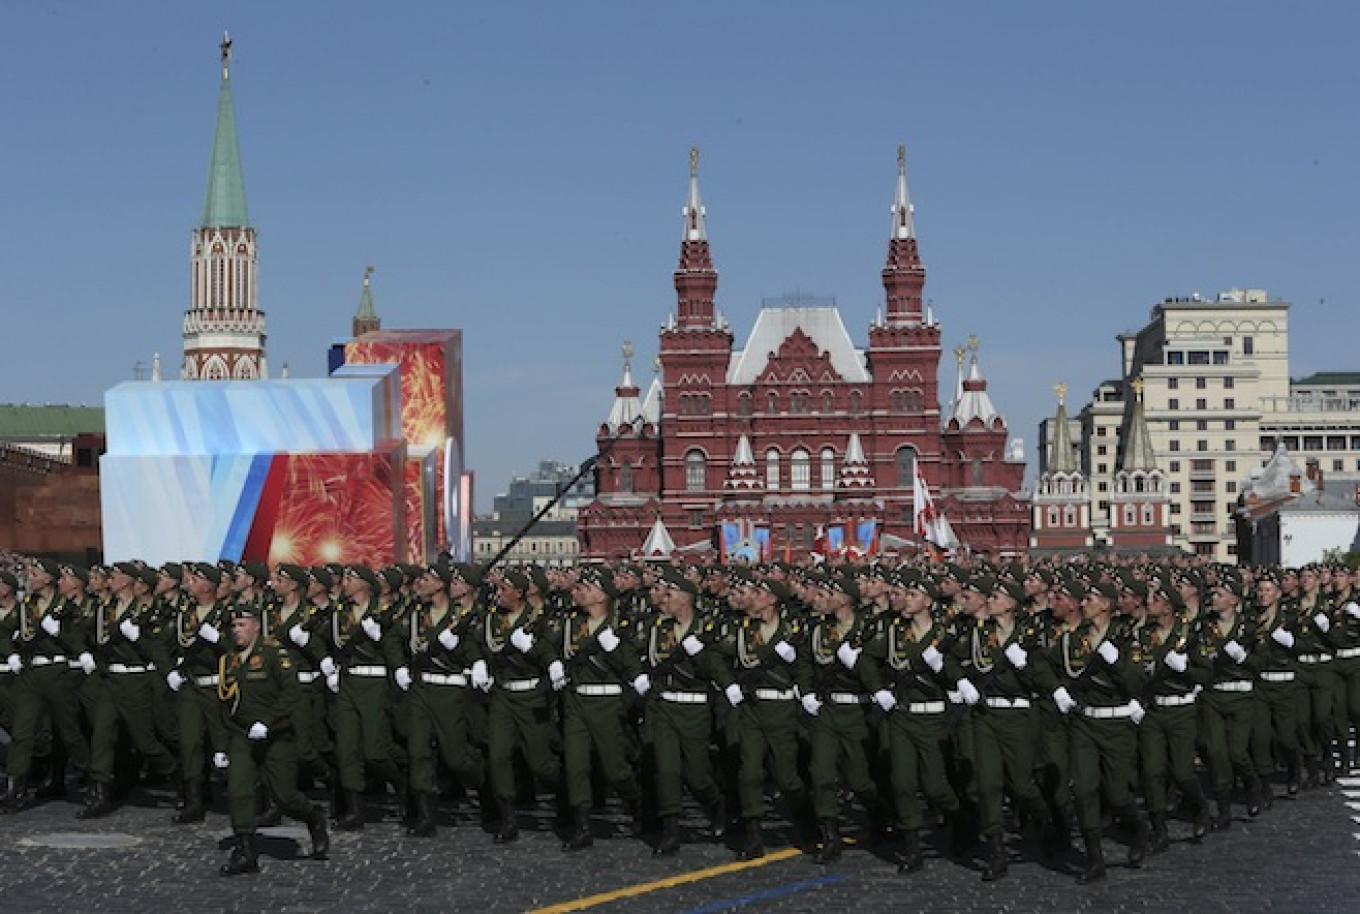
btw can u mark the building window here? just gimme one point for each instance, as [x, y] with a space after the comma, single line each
[1201, 425]
[1248, 346]
[898, 401]
[855, 399]
[1102, 468]
[1338, 466]
[1148, 516]
[772, 470]
[905, 460]
[744, 403]
[1173, 383]
[773, 404]
[1231, 487]
[1201, 383]
[696, 467]
[695, 519]
[626, 477]
[1173, 445]
[1229, 403]
[1100, 432]
[1173, 403]
[1175, 358]
[1053, 515]
[1069, 516]
[800, 475]
[1230, 444]
[1199, 357]
[1230, 466]
[977, 471]
[828, 403]
[1220, 357]
[1201, 445]
[1227, 383]
[1201, 404]
[798, 401]
[1173, 425]
[1175, 488]
[1229, 425]
[828, 469]
[1175, 466]
[1102, 487]
[1175, 507]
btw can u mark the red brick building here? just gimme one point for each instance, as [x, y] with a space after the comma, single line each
[801, 429]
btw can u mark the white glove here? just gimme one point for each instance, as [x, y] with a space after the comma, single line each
[885, 699]
[1282, 638]
[785, 651]
[448, 639]
[734, 695]
[257, 731]
[403, 678]
[692, 645]
[1108, 652]
[333, 682]
[87, 662]
[608, 640]
[642, 684]
[969, 692]
[811, 704]
[298, 636]
[371, 628]
[1177, 661]
[848, 655]
[15, 663]
[328, 666]
[481, 676]
[131, 630]
[174, 680]
[220, 760]
[1017, 655]
[209, 633]
[1323, 624]
[1235, 651]
[1353, 609]
[51, 626]
[1063, 699]
[1136, 711]
[558, 674]
[522, 640]
[933, 658]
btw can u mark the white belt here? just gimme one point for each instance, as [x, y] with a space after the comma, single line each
[44, 661]
[1315, 658]
[955, 698]
[373, 672]
[520, 685]
[774, 694]
[848, 698]
[124, 668]
[74, 664]
[1273, 676]
[453, 679]
[1348, 652]
[1007, 702]
[685, 698]
[599, 689]
[1235, 685]
[926, 707]
[307, 677]
[1108, 713]
[205, 681]
[1174, 701]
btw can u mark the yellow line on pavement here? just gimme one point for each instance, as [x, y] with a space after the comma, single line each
[643, 888]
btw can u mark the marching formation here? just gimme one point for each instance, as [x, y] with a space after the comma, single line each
[1043, 697]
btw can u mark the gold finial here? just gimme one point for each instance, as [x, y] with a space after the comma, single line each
[226, 53]
[1061, 389]
[627, 350]
[369, 271]
[1137, 386]
[902, 158]
[958, 355]
[694, 161]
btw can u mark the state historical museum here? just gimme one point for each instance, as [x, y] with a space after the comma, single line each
[801, 432]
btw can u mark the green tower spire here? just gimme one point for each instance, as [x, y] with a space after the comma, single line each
[225, 206]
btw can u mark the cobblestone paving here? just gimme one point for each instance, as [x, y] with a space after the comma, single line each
[1301, 856]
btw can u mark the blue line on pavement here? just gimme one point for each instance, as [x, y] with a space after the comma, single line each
[714, 907]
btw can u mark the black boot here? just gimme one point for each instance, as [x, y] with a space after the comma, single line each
[580, 837]
[316, 830]
[909, 858]
[632, 807]
[1057, 838]
[1095, 857]
[755, 842]
[1160, 839]
[353, 819]
[1292, 771]
[963, 830]
[244, 858]
[1266, 793]
[1200, 828]
[829, 831]
[17, 797]
[1253, 796]
[193, 810]
[425, 823]
[1314, 776]
[1223, 821]
[717, 817]
[670, 837]
[1138, 843]
[508, 829]
[996, 863]
[98, 803]
[271, 814]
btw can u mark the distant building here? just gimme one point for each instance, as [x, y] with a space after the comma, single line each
[801, 429]
[49, 483]
[551, 541]
[1292, 515]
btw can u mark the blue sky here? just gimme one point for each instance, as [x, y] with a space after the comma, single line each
[517, 170]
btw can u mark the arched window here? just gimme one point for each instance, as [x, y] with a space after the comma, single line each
[1130, 516]
[855, 399]
[800, 471]
[828, 402]
[977, 471]
[1069, 516]
[1149, 515]
[695, 471]
[1053, 515]
[772, 469]
[744, 403]
[828, 468]
[626, 477]
[905, 461]
[773, 405]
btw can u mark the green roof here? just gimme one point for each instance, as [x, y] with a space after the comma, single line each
[225, 206]
[1330, 379]
[29, 423]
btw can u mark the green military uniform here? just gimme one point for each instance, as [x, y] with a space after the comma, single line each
[1346, 638]
[199, 710]
[303, 630]
[1278, 696]
[1228, 709]
[1320, 684]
